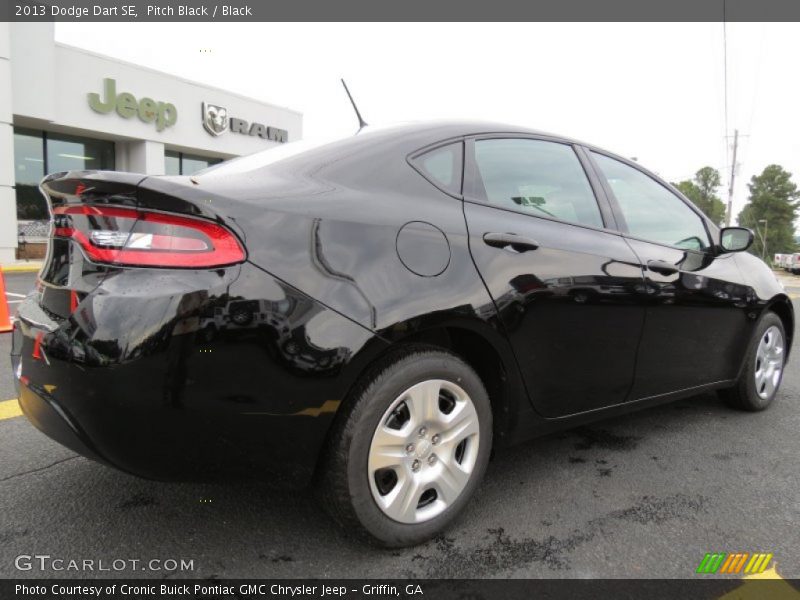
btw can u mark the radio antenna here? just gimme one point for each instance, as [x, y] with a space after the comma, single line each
[361, 122]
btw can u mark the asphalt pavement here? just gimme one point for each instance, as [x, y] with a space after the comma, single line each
[644, 495]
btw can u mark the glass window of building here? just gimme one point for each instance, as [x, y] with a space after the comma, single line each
[70, 153]
[172, 162]
[28, 172]
[37, 153]
[178, 163]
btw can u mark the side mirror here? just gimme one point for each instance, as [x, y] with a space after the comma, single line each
[735, 239]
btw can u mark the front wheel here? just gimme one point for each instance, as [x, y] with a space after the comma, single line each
[410, 451]
[763, 370]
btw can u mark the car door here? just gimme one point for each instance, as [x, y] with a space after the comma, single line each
[564, 282]
[696, 321]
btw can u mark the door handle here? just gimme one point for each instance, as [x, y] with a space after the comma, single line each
[662, 267]
[510, 241]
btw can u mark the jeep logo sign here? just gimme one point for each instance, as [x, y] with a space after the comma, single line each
[163, 114]
[217, 122]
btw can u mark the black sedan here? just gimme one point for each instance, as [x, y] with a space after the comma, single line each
[376, 315]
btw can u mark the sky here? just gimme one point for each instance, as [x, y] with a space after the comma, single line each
[653, 91]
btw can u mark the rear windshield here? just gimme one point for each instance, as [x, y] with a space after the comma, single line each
[273, 155]
[251, 162]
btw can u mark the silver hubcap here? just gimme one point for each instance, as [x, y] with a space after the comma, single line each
[769, 362]
[423, 451]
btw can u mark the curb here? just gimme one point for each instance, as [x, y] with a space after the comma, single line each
[31, 268]
[10, 409]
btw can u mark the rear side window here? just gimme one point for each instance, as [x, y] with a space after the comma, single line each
[443, 166]
[537, 177]
[651, 211]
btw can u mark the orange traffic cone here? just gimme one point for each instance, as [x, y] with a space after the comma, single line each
[5, 318]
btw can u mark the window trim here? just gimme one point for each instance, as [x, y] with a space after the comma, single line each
[477, 195]
[617, 209]
[412, 160]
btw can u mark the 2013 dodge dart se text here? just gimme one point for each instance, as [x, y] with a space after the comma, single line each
[375, 315]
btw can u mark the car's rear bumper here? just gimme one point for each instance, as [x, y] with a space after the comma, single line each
[51, 418]
[142, 388]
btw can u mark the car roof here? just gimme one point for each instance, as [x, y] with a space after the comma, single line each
[402, 138]
[445, 128]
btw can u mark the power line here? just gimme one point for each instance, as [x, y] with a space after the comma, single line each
[733, 178]
[734, 165]
[725, 74]
[745, 154]
[731, 181]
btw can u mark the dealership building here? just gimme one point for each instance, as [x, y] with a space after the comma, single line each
[63, 108]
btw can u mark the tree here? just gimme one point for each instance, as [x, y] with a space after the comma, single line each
[702, 191]
[773, 197]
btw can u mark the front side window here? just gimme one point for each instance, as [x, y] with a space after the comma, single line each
[537, 177]
[651, 211]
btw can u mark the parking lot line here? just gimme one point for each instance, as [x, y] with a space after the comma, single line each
[749, 589]
[10, 409]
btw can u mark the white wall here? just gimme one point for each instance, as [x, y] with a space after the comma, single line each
[33, 53]
[140, 157]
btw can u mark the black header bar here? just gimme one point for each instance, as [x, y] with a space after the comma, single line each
[401, 10]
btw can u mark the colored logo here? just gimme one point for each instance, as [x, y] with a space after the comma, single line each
[736, 562]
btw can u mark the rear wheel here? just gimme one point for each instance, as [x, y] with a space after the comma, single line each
[763, 369]
[411, 450]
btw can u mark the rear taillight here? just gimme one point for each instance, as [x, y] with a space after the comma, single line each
[124, 236]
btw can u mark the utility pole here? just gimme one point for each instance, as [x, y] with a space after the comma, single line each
[733, 177]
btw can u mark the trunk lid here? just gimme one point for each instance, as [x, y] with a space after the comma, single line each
[102, 221]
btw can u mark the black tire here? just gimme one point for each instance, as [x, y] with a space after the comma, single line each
[744, 395]
[343, 484]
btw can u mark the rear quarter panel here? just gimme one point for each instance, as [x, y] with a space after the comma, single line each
[332, 231]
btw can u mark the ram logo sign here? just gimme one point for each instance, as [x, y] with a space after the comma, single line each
[216, 122]
[215, 118]
[734, 563]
